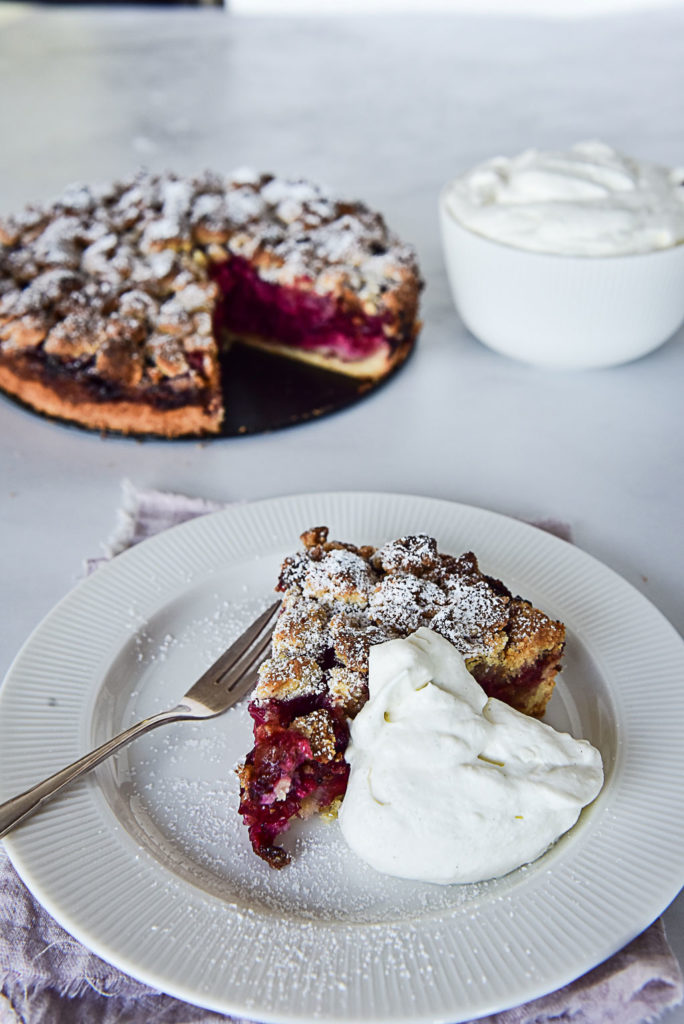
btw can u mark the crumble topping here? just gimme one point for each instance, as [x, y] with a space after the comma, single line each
[474, 616]
[348, 689]
[405, 601]
[372, 596]
[340, 575]
[527, 622]
[301, 627]
[353, 634]
[416, 554]
[318, 730]
[286, 678]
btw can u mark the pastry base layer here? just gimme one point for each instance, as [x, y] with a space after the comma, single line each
[66, 399]
[372, 368]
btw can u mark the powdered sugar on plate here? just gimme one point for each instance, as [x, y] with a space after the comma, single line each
[175, 791]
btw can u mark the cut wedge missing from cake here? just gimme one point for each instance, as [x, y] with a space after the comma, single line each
[115, 301]
[338, 600]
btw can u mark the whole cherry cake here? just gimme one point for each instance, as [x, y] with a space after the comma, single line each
[338, 600]
[116, 300]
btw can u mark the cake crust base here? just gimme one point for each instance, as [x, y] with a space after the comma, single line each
[379, 364]
[119, 415]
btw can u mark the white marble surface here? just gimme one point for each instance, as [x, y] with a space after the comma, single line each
[544, 8]
[388, 109]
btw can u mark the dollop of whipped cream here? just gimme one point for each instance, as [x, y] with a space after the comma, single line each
[588, 201]
[447, 785]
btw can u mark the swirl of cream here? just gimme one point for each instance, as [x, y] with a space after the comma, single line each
[447, 785]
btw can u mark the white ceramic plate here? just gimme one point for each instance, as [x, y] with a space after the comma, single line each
[147, 863]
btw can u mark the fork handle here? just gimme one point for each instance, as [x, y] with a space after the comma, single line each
[20, 807]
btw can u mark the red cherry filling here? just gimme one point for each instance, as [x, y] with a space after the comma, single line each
[282, 771]
[516, 689]
[294, 316]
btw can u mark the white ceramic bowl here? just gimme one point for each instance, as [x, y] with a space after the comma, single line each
[562, 312]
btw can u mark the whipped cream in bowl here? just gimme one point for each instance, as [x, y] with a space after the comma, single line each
[587, 201]
[567, 259]
[448, 786]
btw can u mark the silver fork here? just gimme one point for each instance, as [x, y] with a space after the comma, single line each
[228, 680]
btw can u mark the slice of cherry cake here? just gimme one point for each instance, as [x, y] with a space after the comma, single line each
[339, 600]
[115, 300]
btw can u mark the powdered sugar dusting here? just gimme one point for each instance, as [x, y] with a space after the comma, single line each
[472, 613]
[406, 602]
[161, 233]
[339, 575]
[176, 792]
[404, 585]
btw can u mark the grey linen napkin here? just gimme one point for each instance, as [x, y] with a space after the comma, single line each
[47, 977]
